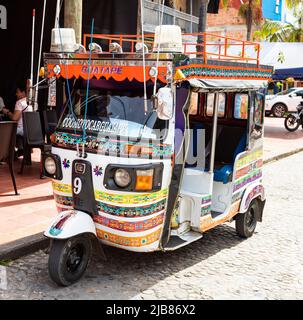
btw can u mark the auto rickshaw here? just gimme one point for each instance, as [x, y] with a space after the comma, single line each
[158, 142]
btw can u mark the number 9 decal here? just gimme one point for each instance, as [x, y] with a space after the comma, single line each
[77, 185]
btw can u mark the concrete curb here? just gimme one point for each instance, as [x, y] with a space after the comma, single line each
[24, 246]
[283, 155]
[31, 244]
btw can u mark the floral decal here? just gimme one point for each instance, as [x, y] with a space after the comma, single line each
[98, 171]
[66, 163]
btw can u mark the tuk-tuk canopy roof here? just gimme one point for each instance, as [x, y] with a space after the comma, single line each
[226, 85]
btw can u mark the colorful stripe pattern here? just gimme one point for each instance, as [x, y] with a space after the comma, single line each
[206, 205]
[63, 200]
[157, 207]
[136, 226]
[248, 158]
[131, 198]
[257, 190]
[61, 187]
[129, 241]
[206, 71]
[251, 177]
[131, 212]
[248, 170]
[105, 146]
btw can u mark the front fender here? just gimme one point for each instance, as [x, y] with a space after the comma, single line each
[69, 224]
[253, 191]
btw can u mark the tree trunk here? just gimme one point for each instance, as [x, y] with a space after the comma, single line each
[249, 20]
[73, 17]
[202, 24]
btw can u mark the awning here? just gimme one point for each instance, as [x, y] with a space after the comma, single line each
[283, 74]
[209, 85]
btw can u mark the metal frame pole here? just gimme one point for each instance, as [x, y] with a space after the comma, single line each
[39, 60]
[214, 135]
[32, 61]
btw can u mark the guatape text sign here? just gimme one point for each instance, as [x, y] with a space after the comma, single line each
[119, 73]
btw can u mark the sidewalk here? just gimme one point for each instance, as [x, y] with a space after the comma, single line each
[31, 212]
[278, 140]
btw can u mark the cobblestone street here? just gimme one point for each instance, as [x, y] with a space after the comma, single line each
[219, 266]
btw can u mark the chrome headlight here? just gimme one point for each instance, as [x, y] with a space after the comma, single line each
[122, 178]
[50, 166]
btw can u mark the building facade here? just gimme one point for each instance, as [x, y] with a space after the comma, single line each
[185, 13]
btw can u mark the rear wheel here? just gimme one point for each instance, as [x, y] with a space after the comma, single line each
[246, 222]
[291, 123]
[68, 259]
[279, 110]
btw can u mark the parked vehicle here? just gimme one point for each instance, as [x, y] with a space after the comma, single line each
[293, 121]
[286, 101]
[147, 171]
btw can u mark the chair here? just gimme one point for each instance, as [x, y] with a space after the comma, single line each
[50, 120]
[7, 146]
[33, 136]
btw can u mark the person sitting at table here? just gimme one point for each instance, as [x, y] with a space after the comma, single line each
[2, 105]
[20, 107]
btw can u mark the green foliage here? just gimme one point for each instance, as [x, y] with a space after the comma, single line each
[5, 263]
[275, 31]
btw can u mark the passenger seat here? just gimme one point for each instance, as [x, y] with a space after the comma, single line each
[231, 142]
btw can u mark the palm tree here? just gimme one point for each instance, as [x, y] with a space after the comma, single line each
[202, 24]
[276, 31]
[252, 13]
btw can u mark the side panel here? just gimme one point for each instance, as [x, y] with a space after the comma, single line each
[247, 173]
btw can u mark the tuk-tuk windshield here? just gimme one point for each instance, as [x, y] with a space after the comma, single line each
[112, 110]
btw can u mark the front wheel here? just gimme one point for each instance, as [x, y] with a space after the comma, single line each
[291, 123]
[68, 259]
[246, 222]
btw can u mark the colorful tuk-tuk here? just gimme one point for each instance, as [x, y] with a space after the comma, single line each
[158, 142]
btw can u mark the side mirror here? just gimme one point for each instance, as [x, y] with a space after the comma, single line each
[163, 103]
[292, 95]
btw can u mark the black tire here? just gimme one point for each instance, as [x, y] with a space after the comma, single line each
[290, 123]
[68, 259]
[279, 110]
[246, 222]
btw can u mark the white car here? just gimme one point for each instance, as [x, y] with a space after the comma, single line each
[285, 101]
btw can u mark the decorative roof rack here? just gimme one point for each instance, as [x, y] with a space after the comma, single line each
[205, 46]
[191, 56]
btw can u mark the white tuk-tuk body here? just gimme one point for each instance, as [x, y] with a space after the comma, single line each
[174, 196]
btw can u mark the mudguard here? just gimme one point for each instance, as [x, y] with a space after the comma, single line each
[253, 191]
[69, 224]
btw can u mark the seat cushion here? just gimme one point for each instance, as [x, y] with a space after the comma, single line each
[223, 174]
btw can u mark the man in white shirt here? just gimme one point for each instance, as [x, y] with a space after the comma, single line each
[20, 107]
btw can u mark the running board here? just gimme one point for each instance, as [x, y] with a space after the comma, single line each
[176, 242]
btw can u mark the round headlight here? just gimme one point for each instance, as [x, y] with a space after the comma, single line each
[122, 178]
[50, 165]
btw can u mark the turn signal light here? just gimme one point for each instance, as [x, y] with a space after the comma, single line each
[138, 150]
[144, 180]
